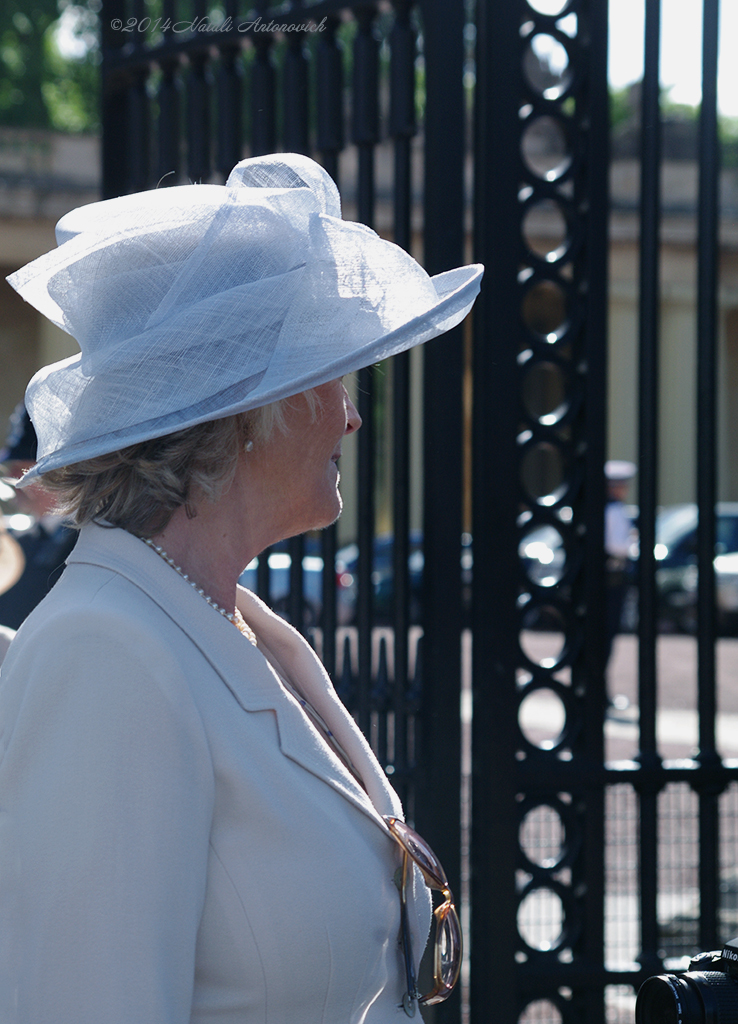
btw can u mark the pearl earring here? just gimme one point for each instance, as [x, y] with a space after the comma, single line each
[249, 446]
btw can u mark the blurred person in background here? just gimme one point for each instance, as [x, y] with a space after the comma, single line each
[45, 542]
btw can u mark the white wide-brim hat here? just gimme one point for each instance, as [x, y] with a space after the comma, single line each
[195, 302]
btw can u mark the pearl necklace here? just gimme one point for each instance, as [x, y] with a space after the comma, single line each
[235, 617]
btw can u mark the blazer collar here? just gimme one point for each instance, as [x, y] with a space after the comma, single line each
[295, 657]
[246, 671]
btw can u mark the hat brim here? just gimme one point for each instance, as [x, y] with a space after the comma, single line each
[456, 291]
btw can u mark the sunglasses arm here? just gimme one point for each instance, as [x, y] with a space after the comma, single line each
[410, 998]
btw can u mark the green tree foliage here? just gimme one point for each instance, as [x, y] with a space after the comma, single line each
[49, 57]
[623, 110]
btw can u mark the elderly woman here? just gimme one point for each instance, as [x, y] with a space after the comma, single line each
[192, 829]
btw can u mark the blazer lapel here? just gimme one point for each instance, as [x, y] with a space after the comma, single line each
[295, 656]
[246, 672]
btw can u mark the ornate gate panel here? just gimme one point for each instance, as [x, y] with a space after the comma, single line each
[539, 392]
[565, 846]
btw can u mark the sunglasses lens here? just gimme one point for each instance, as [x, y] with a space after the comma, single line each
[448, 946]
[447, 959]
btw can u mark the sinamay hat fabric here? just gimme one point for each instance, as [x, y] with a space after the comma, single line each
[198, 301]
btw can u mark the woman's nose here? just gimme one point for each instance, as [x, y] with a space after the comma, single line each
[353, 420]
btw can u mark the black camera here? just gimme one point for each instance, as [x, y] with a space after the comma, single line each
[705, 994]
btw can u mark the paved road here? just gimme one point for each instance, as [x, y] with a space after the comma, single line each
[677, 723]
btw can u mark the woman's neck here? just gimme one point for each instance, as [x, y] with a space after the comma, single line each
[215, 545]
[212, 546]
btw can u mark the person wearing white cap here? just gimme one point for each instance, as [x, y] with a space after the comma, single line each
[192, 828]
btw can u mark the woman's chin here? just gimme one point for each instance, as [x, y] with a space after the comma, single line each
[323, 514]
[330, 513]
[334, 514]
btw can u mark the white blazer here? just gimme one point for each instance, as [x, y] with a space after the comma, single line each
[177, 841]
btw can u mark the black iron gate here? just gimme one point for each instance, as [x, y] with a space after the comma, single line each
[553, 825]
[501, 433]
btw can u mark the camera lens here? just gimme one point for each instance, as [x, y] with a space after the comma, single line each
[699, 997]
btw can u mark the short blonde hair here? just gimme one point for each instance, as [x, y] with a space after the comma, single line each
[140, 487]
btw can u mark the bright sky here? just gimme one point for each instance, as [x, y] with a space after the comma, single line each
[681, 49]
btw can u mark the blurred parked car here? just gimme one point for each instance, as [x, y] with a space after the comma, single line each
[280, 566]
[675, 551]
[543, 556]
[676, 573]
[346, 575]
[383, 578]
[726, 585]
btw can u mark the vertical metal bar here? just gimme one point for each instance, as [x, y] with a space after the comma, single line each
[263, 92]
[379, 703]
[443, 224]
[114, 103]
[401, 546]
[365, 114]
[139, 133]
[168, 124]
[262, 576]
[345, 682]
[589, 669]
[402, 96]
[198, 107]
[365, 539]
[365, 134]
[330, 162]
[230, 98]
[648, 378]
[495, 416]
[296, 600]
[329, 140]
[328, 619]
[402, 127]
[139, 136]
[709, 871]
[329, 98]
[707, 282]
[650, 218]
[707, 278]
[295, 96]
[365, 97]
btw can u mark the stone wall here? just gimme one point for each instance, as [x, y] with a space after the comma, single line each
[43, 175]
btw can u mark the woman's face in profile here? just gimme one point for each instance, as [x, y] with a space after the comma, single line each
[297, 469]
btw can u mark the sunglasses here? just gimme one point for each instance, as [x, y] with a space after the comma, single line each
[448, 947]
